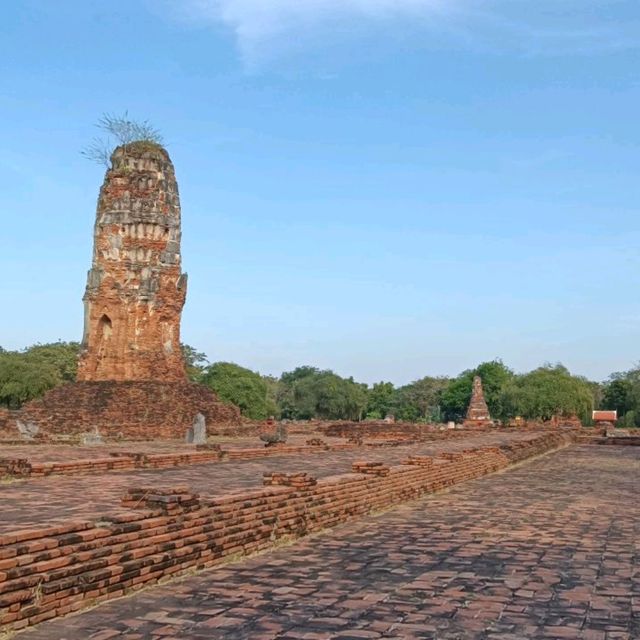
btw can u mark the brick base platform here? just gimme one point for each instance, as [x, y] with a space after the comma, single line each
[128, 410]
[51, 571]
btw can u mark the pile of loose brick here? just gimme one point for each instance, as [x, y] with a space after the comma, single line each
[49, 572]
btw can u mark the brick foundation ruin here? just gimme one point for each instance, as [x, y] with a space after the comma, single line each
[135, 410]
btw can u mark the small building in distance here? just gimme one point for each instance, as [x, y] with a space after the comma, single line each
[604, 418]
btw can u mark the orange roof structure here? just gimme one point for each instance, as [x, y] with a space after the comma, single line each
[605, 416]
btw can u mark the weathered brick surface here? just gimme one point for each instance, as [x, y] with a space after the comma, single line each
[6, 419]
[122, 460]
[21, 461]
[538, 552]
[135, 288]
[478, 412]
[388, 430]
[59, 498]
[143, 410]
[49, 572]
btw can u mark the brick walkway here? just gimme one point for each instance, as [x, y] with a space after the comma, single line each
[58, 499]
[546, 550]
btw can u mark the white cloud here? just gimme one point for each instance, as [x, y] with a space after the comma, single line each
[536, 27]
[260, 25]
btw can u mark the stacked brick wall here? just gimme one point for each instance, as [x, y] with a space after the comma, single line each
[377, 429]
[630, 441]
[204, 454]
[135, 410]
[119, 461]
[50, 572]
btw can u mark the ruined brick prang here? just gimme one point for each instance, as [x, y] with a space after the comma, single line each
[131, 379]
[478, 411]
[135, 287]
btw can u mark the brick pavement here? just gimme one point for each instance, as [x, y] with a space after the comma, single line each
[57, 499]
[546, 550]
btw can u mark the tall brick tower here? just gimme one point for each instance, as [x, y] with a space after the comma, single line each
[135, 288]
[131, 381]
[478, 411]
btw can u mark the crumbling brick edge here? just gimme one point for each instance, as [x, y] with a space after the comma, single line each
[204, 454]
[52, 571]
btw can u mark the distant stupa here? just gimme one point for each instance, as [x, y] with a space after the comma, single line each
[478, 411]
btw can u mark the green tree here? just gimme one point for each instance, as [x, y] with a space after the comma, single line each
[195, 361]
[622, 393]
[307, 393]
[239, 386]
[420, 400]
[22, 380]
[273, 389]
[27, 374]
[547, 391]
[380, 400]
[495, 377]
[61, 356]
[305, 371]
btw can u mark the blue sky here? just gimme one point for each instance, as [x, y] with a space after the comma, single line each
[389, 188]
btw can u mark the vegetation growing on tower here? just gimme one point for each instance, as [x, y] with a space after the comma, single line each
[121, 131]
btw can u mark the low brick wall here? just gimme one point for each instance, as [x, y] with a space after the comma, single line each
[628, 441]
[205, 454]
[377, 429]
[122, 461]
[45, 573]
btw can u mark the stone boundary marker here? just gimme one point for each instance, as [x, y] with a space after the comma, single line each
[50, 572]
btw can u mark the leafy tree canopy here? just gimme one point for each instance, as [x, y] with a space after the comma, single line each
[380, 401]
[308, 392]
[421, 400]
[27, 374]
[547, 391]
[240, 386]
[622, 393]
[194, 361]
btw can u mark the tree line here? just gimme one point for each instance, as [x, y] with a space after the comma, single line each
[311, 393]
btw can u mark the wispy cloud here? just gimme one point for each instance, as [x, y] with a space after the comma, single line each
[531, 27]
